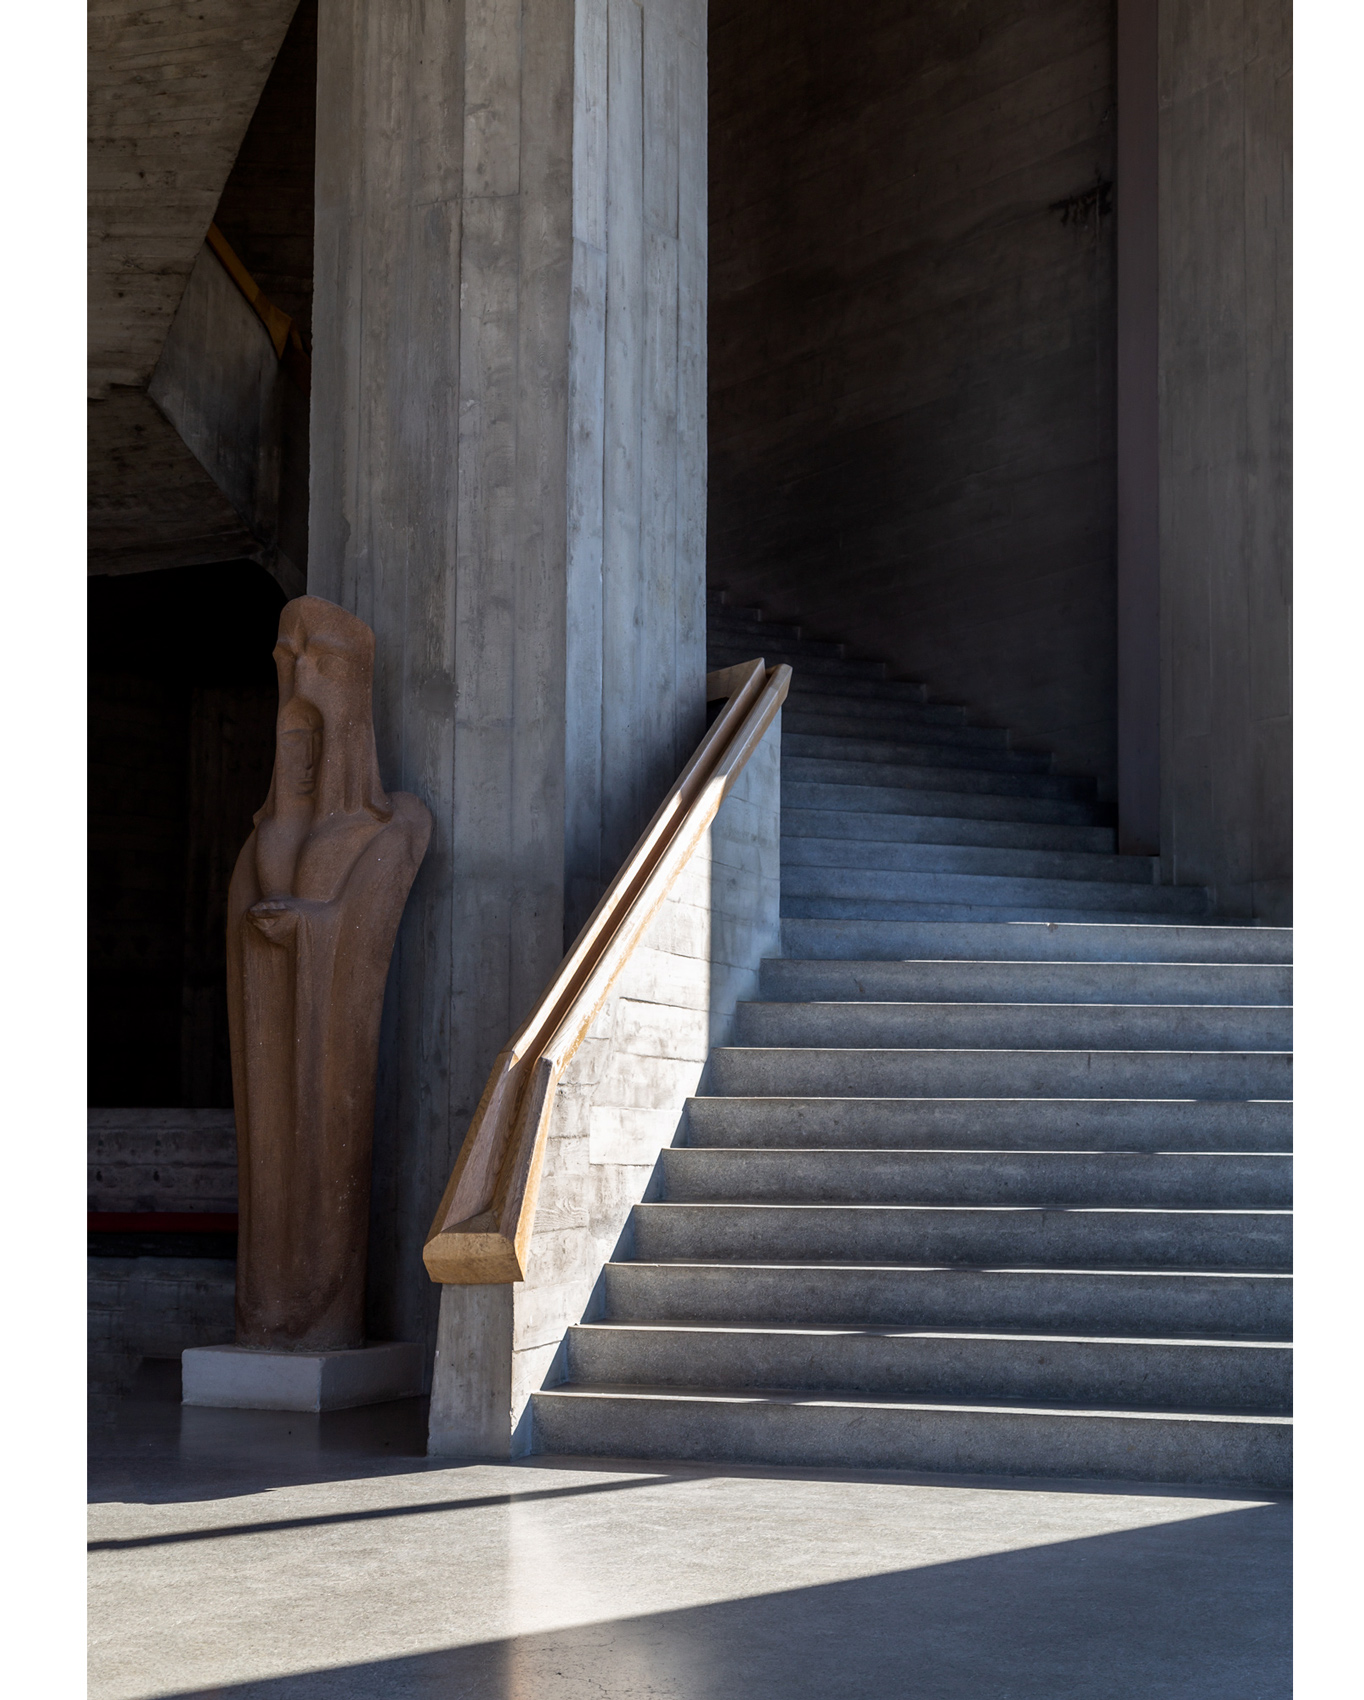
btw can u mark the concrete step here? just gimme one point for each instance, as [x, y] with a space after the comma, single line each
[858, 1432]
[981, 890]
[1233, 1180]
[824, 696]
[1211, 1375]
[1030, 941]
[870, 909]
[738, 634]
[727, 619]
[804, 850]
[753, 1071]
[995, 1176]
[729, 605]
[898, 691]
[724, 623]
[1018, 1026]
[826, 790]
[733, 650]
[873, 827]
[798, 767]
[785, 979]
[975, 1235]
[995, 1124]
[889, 752]
[808, 717]
[1146, 1303]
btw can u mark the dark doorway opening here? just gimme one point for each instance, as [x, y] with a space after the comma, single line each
[182, 711]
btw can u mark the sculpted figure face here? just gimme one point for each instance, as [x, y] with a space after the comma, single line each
[325, 797]
[298, 751]
[325, 735]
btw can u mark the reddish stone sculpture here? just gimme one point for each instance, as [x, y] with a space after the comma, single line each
[313, 911]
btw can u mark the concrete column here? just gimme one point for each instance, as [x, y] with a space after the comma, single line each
[1226, 452]
[508, 484]
[1138, 433]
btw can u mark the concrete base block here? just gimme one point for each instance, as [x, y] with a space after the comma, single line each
[242, 1378]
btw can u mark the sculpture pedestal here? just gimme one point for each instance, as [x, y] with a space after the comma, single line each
[244, 1379]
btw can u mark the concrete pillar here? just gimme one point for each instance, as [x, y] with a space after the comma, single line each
[508, 484]
[1226, 452]
[1138, 433]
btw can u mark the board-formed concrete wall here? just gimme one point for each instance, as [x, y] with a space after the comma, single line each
[912, 411]
[621, 1100]
[159, 1159]
[637, 426]
[171, 91]
[508, 485]
[219, 382]
[155, 1307]
[1225, 453]
[140, 1307]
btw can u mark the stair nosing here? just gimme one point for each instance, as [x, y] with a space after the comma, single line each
[1088, 1271]
[896, 1331]
[645, 1392]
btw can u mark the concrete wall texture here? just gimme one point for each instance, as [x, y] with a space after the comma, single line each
[149, 1160]
[1225, 477]
[171, 93]
[621, 1100]
[219, 382]
[912, 412]
[159, 1159]
[508, 430]
[154, 1307]
[912, 383]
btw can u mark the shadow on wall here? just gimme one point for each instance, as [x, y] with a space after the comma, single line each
[1189, 1610]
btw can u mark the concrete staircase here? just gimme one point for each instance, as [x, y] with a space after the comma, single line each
[895, 809]
[995, 1176]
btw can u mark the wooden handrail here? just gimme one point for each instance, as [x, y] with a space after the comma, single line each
[481, 1232]
[284, 334]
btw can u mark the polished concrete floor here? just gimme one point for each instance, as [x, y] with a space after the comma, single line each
[244, 1554]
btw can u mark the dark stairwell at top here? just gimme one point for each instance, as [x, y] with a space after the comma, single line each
[894, 808]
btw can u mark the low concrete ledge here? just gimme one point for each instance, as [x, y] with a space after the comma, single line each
[244, 1379]
[162, 1159]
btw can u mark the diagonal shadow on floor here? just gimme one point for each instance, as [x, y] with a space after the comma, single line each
[1195, 1609]
[371, 1514]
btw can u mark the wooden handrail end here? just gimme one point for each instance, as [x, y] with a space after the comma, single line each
[725, 681]
[472, 1257]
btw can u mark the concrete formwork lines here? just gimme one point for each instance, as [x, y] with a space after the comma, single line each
[492, 96]
[486, 605]
[172, 90]
[658, 528]
[691, 382]
[385, 445]
[622, 618]
[585, 681]
[544, 315]
[491, 361]
[658, 502]
[1225, 454]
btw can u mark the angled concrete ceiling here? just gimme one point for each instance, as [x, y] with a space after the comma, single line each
[172, 87]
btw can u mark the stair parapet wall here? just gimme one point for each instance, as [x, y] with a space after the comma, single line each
[621, 1102]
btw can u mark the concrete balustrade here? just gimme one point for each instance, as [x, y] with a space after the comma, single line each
[621, 1101]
